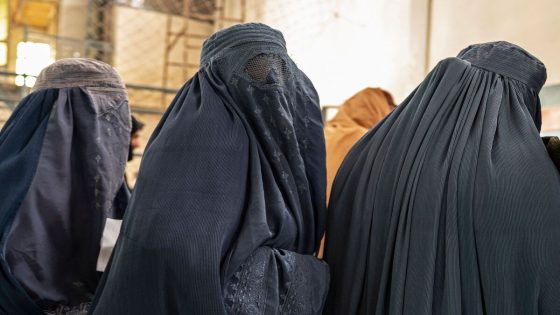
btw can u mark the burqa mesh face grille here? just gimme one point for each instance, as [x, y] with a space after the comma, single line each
[267, 69]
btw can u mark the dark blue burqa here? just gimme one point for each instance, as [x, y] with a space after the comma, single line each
[62, 158]
[451, 205]
[229, 205]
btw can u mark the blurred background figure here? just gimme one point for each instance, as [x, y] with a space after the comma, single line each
[135, 141]
[353, 119]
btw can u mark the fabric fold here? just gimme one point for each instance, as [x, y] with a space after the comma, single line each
[450, 204]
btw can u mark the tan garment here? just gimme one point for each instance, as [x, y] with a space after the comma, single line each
[354, 118]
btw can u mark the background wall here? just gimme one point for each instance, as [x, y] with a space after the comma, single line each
[71, 21]
[345, 45]
[534, 25]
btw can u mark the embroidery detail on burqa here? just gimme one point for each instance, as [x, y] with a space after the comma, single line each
[295, 299]
[246, 290]
[268, 135]
[277, 155]
[268, 82]
[275, 280]
[81, 309]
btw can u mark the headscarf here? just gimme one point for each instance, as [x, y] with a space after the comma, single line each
[451, 204]
[229, 204]
[62, 158]
[353, 119]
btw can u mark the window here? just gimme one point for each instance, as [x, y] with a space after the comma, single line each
[31, 59]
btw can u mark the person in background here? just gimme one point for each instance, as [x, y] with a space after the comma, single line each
[353, 119]
[62, 158]
[451, 205]
[135, 141]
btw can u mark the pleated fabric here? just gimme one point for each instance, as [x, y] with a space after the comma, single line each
[62, 158]
[451, 205]
[229, 205]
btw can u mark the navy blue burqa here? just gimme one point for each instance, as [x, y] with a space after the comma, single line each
[229, 205]
[451, 205]
[62, 158]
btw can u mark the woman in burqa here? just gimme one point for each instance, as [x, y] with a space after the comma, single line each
[451, 205]
[353, 119]
[229, 205]
[62, 158]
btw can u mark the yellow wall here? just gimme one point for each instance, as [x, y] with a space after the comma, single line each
[72, 21]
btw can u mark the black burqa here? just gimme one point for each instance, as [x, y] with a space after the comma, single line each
[229, 204]
[62, 158]
[451, 205]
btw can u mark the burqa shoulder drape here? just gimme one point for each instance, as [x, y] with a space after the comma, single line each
[62, 158]
[451, 205]
[229, 204]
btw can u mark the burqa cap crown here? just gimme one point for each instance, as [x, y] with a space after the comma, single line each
[508, 60]
[252, 35]
[73, 72]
